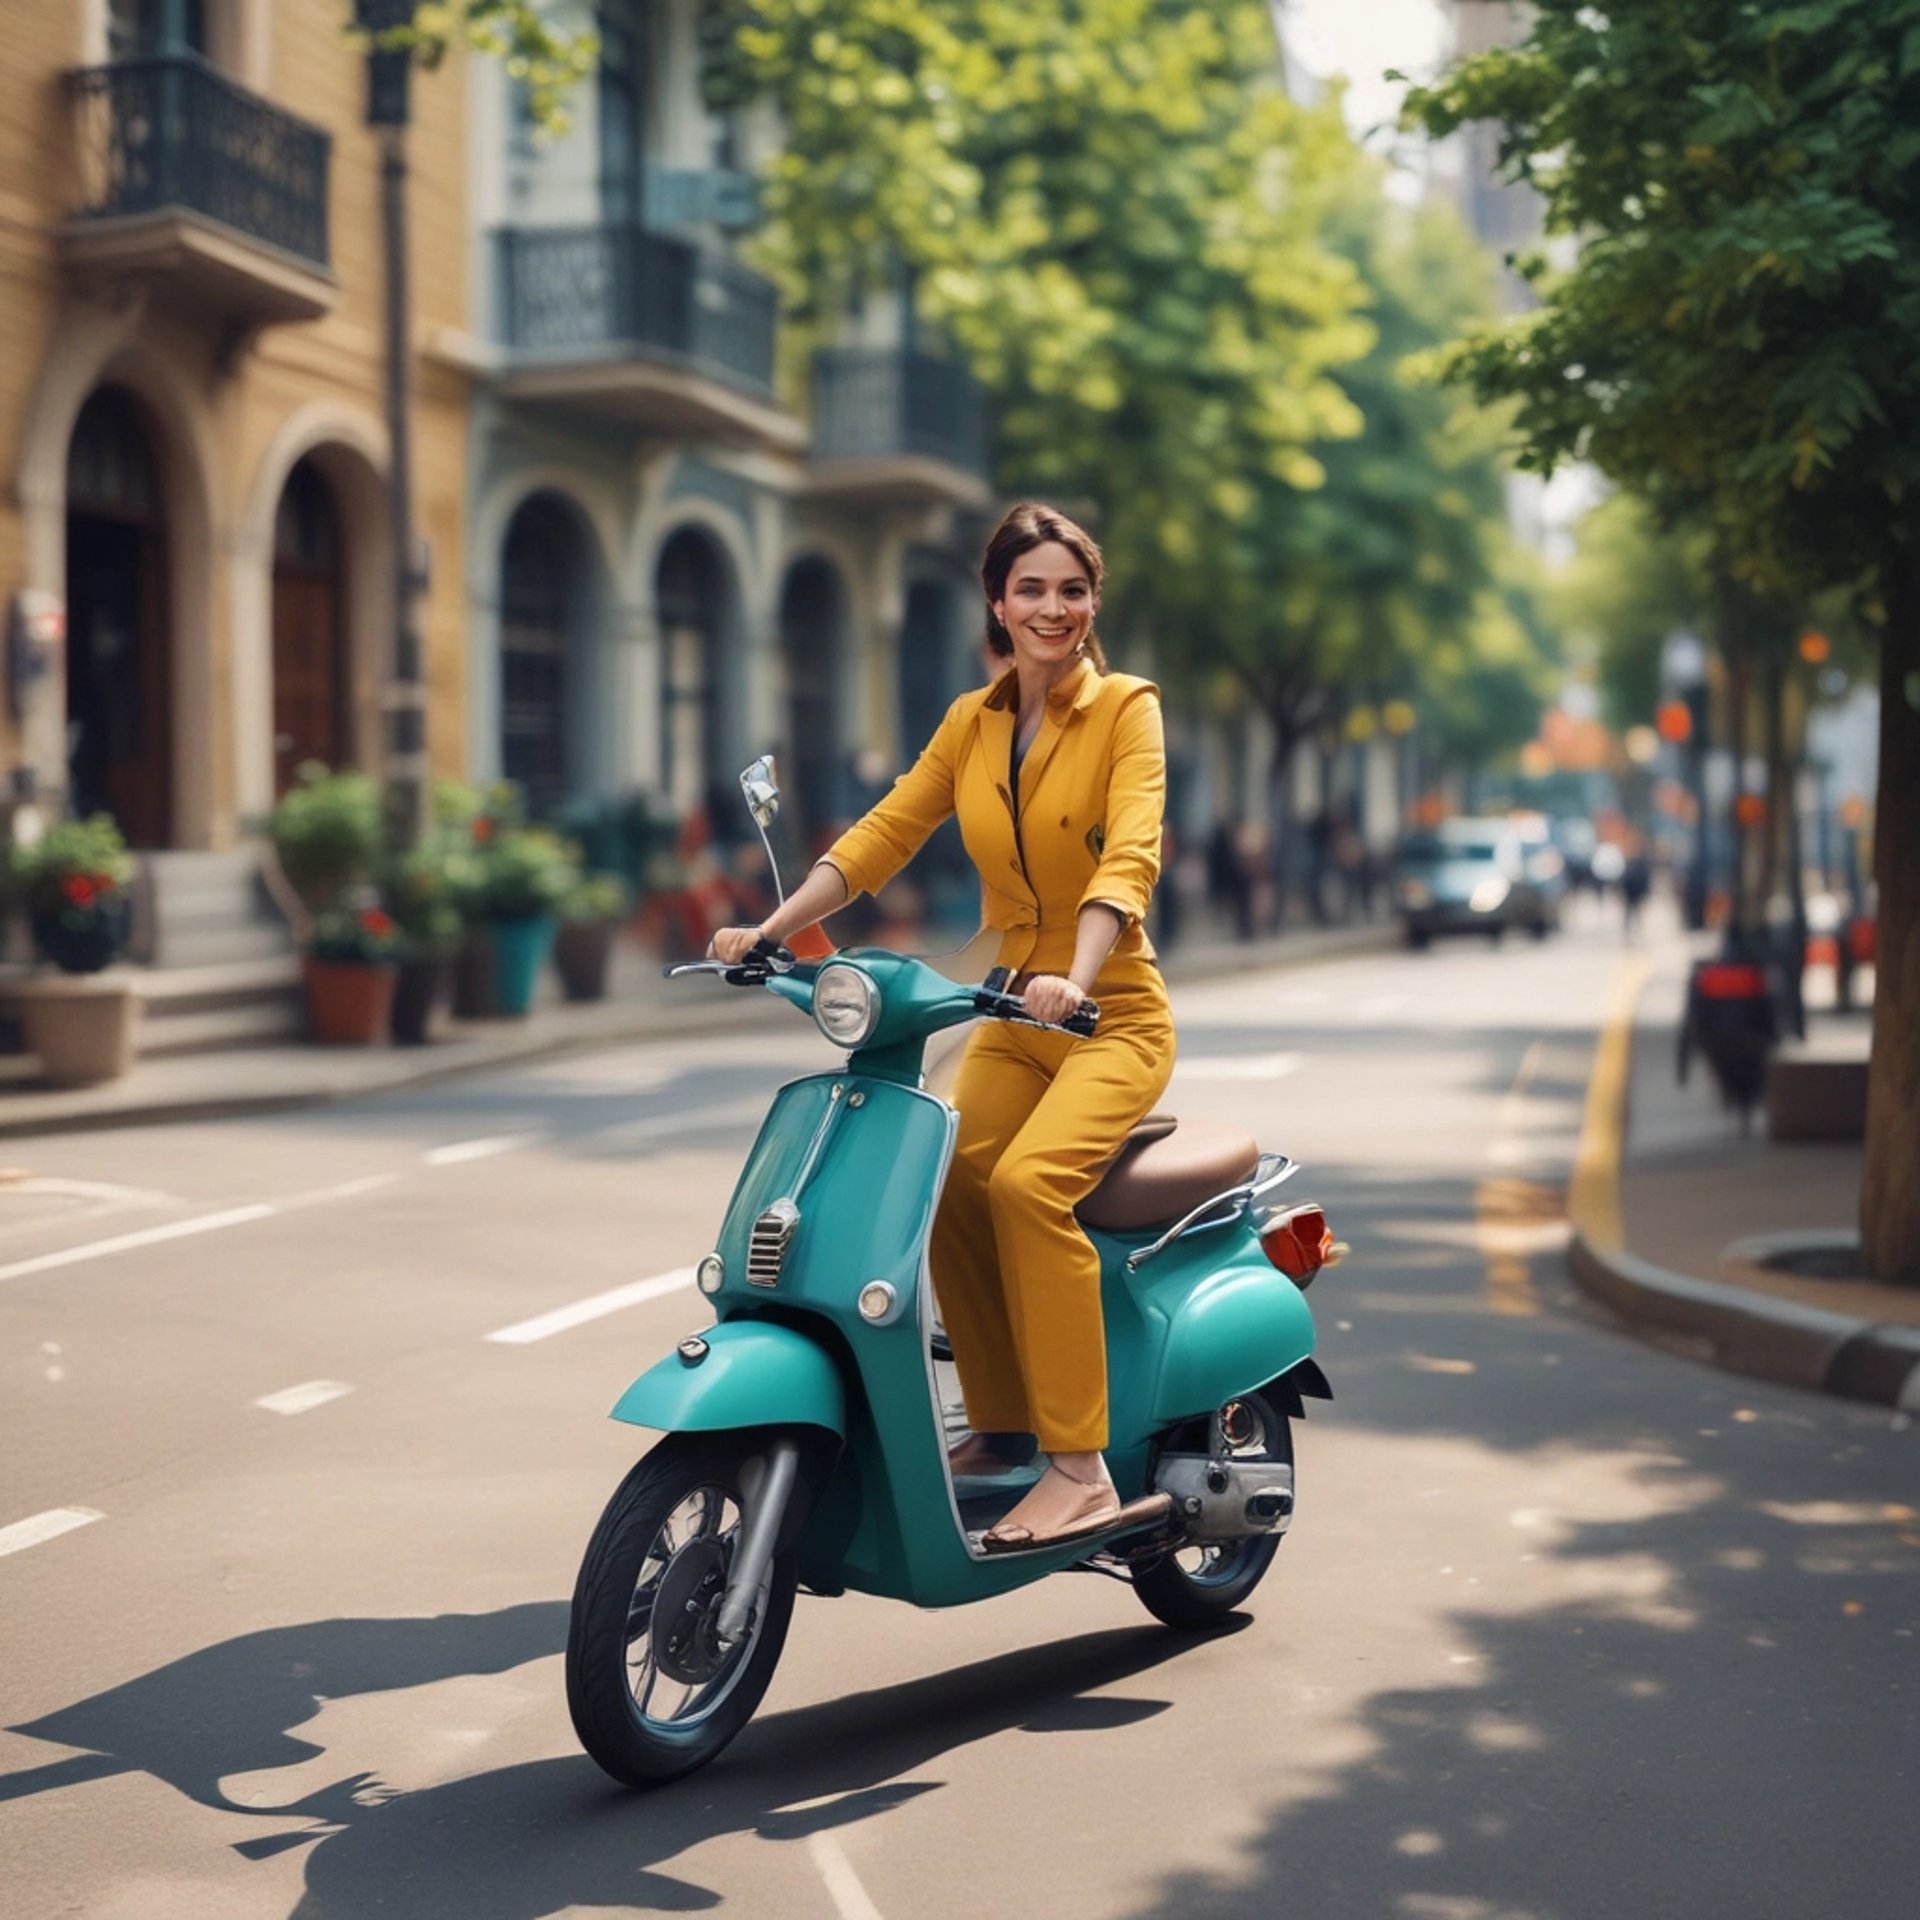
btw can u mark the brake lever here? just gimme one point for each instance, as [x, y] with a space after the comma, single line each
[764, 959]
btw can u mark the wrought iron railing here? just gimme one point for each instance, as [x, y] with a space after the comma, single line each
[174, 131]
[586, 292]
[874, 401]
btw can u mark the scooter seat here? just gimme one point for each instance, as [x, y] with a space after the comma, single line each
[1165, 1170]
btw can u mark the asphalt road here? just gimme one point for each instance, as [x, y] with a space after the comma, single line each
[1566, 1627]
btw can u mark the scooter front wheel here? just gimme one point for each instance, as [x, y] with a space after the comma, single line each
[652, 1692]
[1196, 1586]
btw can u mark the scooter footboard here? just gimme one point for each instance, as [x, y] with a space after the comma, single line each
[741, 1373]
[1236, 1330]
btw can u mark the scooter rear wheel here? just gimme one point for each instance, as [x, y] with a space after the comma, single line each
[1198, 1586]
[652, 1694]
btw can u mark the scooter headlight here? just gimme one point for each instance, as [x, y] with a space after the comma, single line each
[846, 1005]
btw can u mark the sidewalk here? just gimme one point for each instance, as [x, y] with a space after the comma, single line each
[641, 1006]
[1672, 1209]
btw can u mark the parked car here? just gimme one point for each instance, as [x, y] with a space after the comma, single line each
[1576, 840]
[1467, 876]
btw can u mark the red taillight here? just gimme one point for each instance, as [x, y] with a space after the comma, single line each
[1299, 1242]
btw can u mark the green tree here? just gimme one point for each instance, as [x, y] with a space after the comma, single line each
[1743, 322]
[1629, 587]
[1393, 576]
[1112, 206]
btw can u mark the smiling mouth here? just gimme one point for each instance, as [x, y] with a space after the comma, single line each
[1051, 633]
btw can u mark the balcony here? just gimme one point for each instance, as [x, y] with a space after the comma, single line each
[614, 320]
[893, 423]
[191, 181]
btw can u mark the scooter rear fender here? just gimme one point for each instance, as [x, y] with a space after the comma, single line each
[748, 1373]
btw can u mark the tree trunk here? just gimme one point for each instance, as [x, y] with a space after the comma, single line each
[1890, 1193]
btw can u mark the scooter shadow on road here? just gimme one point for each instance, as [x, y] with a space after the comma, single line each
[532, 1839]
[556, 1834]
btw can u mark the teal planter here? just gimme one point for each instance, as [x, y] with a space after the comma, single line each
[520, 949]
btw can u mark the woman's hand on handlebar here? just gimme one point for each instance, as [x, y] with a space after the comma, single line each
[1052, 997]
[733, 944]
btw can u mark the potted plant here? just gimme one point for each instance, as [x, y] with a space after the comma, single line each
[590, 917]
[351, 964]
[73, 884]
[423, 891]
[529, 871]
[328, 831]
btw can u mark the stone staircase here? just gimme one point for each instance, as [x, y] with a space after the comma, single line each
[218, 966]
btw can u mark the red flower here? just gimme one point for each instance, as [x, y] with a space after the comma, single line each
[379, 924]
[79, 889]
[483, 830]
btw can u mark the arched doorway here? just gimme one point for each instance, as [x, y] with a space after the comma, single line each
[692, 592]
[119, 653]
[542, 572]
[312, 700]
[813, 625]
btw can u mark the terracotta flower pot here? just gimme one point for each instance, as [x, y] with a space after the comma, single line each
[349, 1002]
[82, 1025]
[581, 956]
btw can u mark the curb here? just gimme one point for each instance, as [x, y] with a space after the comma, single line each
[1745, 1332]
[651, 1021]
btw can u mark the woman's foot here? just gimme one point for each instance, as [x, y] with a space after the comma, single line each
[1073, 1498]
[985, 1456]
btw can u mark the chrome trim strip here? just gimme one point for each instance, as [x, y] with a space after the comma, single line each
[817, 1145]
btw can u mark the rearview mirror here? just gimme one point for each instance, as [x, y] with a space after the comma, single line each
[762, 793]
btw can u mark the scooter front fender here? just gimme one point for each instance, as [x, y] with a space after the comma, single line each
[752, 1373]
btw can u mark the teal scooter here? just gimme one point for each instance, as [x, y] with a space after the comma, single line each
[807, 1429]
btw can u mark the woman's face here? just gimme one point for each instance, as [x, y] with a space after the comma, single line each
[1049, 605]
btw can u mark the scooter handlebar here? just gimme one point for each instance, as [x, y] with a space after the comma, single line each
[994, 1001]
[764, 959]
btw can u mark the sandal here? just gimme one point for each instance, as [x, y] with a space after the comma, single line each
[1095, 1510]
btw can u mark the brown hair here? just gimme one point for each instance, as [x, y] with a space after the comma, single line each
[1027, 526]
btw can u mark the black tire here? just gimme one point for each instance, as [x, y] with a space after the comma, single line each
[1418, 939]
[1541, 928]
[1197, 1587]
[679, 1508]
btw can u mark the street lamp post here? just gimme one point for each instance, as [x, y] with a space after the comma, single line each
[389, 73]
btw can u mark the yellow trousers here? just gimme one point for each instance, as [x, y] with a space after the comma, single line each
[1041, 1116]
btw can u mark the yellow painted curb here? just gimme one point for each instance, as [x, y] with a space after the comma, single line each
[1593, 1196]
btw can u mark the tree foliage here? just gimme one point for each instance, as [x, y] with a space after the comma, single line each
[1111, 205]
[1741, 330]
[548, 46]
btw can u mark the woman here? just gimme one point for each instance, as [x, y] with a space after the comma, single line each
[1057, 773]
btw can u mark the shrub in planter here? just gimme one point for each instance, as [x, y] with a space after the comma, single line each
[590, 918]
[529, 871]
[328, 832]
[73, 884]
[351, 963]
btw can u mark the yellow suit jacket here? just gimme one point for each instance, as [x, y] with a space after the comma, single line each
[1092, 791]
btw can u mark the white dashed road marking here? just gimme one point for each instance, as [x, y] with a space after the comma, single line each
[303, 1398]
[577, 1315]
[460, 1151]
[199, 1223]
[45, 1526]
[850, 1898]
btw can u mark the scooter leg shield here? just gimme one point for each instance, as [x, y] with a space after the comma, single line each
[742, 1373]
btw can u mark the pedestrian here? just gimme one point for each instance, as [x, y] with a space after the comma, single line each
[1056, 772]
[1636, 882]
